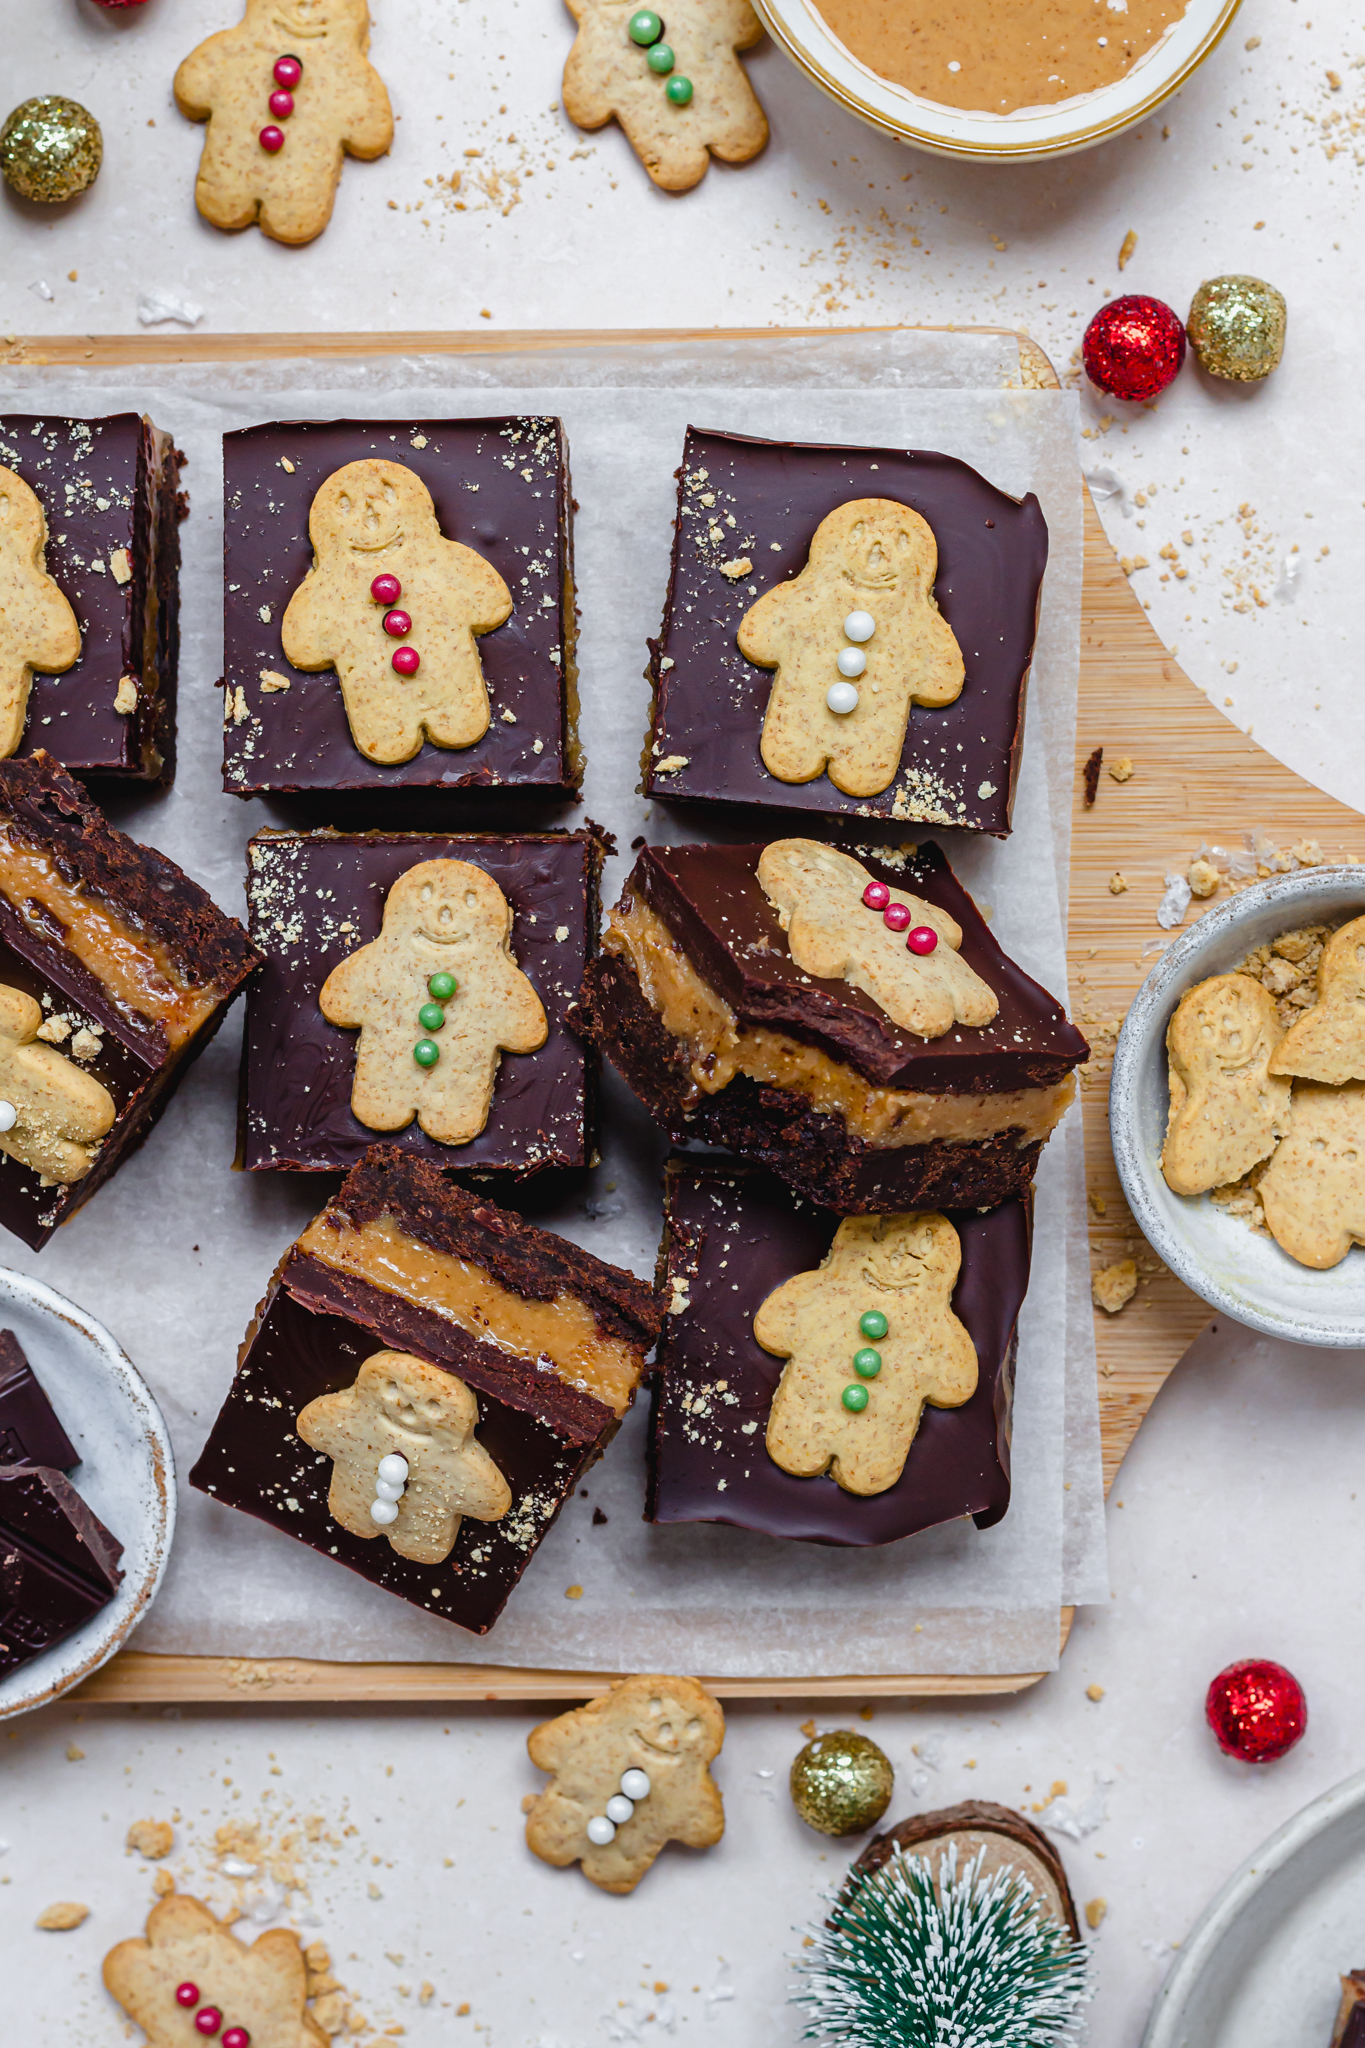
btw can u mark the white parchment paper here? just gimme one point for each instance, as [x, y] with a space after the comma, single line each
[175, 1255]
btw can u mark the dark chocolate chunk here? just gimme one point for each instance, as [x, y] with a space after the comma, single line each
[58, 1562]
[714, 1382]
[108, 487]
[960, 762]
[30, 1433]
[314, 897]
[1000, 1825]
[501, 486]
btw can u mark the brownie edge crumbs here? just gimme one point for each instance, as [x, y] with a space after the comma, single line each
[486, 1361]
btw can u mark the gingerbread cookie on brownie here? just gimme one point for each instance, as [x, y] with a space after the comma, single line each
[850, 1023]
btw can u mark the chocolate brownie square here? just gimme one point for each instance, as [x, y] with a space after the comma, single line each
[315, 899]
[732, 1236]
[58, 1563]
[412, 1322]
[728, 1038]
[748, 514]
[498, 487]
[110, 492]
[115, 971]
[30, 1432]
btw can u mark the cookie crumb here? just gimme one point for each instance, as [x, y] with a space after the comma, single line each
[272, 680]
[286, 465]
[1118, 884]
[1094, 1692]
[120, 568]
[1091, 776]
[86, 1045]
[1122, 769]
[74, 1754]
[163, 1884]
[59, 1919]
[1095, 1910]
[1126, 248]
[151, 1838]
[1114, 1285]
[671, 763]
[741, 566]
[125, 696]
[573, 1592]
[1203, 878]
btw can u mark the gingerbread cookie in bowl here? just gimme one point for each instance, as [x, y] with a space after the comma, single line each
[674, 82]
[286, 94]
[1228, 1106]
[1327, 1043]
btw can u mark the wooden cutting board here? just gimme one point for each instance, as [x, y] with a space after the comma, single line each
[1194, 777]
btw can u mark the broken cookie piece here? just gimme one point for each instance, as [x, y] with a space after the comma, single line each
[1226, 1107]
[1328, 1042]
[1313, 1191]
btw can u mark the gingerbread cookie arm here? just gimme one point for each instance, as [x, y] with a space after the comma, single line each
[196, 80]
[482, 588]
[344, 996]
[760, 634]
[367, 130]
[775, 1323]
[305, 633]
[521, 1021]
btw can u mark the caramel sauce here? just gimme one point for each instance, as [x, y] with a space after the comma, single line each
[690, 1010]
[563, 1332]
[136, 970]
[993, 58]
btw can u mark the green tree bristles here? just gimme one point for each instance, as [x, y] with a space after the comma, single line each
[910, 1960]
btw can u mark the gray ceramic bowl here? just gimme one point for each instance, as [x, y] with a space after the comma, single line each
[1234, 1269]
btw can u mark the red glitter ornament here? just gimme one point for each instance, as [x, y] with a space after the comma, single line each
[1133, 347]
[1256, 1710]
[111, 4]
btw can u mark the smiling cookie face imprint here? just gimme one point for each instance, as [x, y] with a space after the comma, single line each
[872, 565]
[52, 1114]
[403, 1409]
[899, 949]
[1227, 1107]
[1313, 1191]
[38, 628]
[869, 1337]
[437, 999]
[646, 1746]
[1328, 1041]
[394, 608]
[274, 156]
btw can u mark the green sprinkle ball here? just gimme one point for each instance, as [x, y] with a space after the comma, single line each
[660, 59]
[645, 27]
[679, 91]
[855, 1398]
[867, 1363]
[425, 1053]
[442, 986]
[873, 1324]
[431, 1016]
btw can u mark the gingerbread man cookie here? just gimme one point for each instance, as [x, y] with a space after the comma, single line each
[286, 94]
[37, 626]
[1313, 1191]
[189, 1977]
[631, 1772]
[674, 83]
[1328, 1042]
[898, 949]
[408, 670]
[52, 1113]
[869, 1338]
[438, 999]
[405, 1461]
[1227, 1107]
[856, 639]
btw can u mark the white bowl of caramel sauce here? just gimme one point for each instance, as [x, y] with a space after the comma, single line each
[1007, 79]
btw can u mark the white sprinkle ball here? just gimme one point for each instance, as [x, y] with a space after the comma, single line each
[842, 698]
[9, 1116]
[635, 1784]
[384, 1490]
[600, 1830]
[393, 1469]
[384, 1512]
[851, 661]
[619, 1808]
[860, 626]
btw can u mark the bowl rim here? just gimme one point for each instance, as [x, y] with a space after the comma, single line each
[969, 149]
[15, 1285]
[1151, 1004]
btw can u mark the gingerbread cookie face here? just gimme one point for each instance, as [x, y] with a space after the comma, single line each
[286, 94]
[1328, 1041]
[1313, 1191]
[437, 999]
[38, 628]
[896, 948]
[869, 1337]
[189, 1965]
[631, 1773]
[1227, 1107]
[856, 639]
[394, 608]
[52, 1113]
[405, 1461]
[675, 83]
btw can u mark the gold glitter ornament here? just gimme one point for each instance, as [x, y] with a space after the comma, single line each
[50, 149]
[841, 1783]
[1236, 327]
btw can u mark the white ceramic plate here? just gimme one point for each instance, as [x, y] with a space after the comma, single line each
[1260, 1969]
[126, 1474]
[1245, 1275]
[799, 29]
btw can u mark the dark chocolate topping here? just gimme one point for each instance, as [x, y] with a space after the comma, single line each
[976, 1816]
[711, 900]
[959, 763]
[501, 486]
[709, 1462]
[527, 1261]
[314, 897]
[30, 1433]
[41, 1509]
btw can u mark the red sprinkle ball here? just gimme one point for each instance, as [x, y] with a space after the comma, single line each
[187, 1994]
[1134, 347]
[1256, 1710]
[288, 72]
[271, 140]
[236, 2037]
[208, 2019]
[876, 895]
[281, 105]
[896, 916]
[397, 623]
[386, 590]
[406, 660]
[922, 939]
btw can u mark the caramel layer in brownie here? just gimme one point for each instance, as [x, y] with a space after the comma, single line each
[692, 1012]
